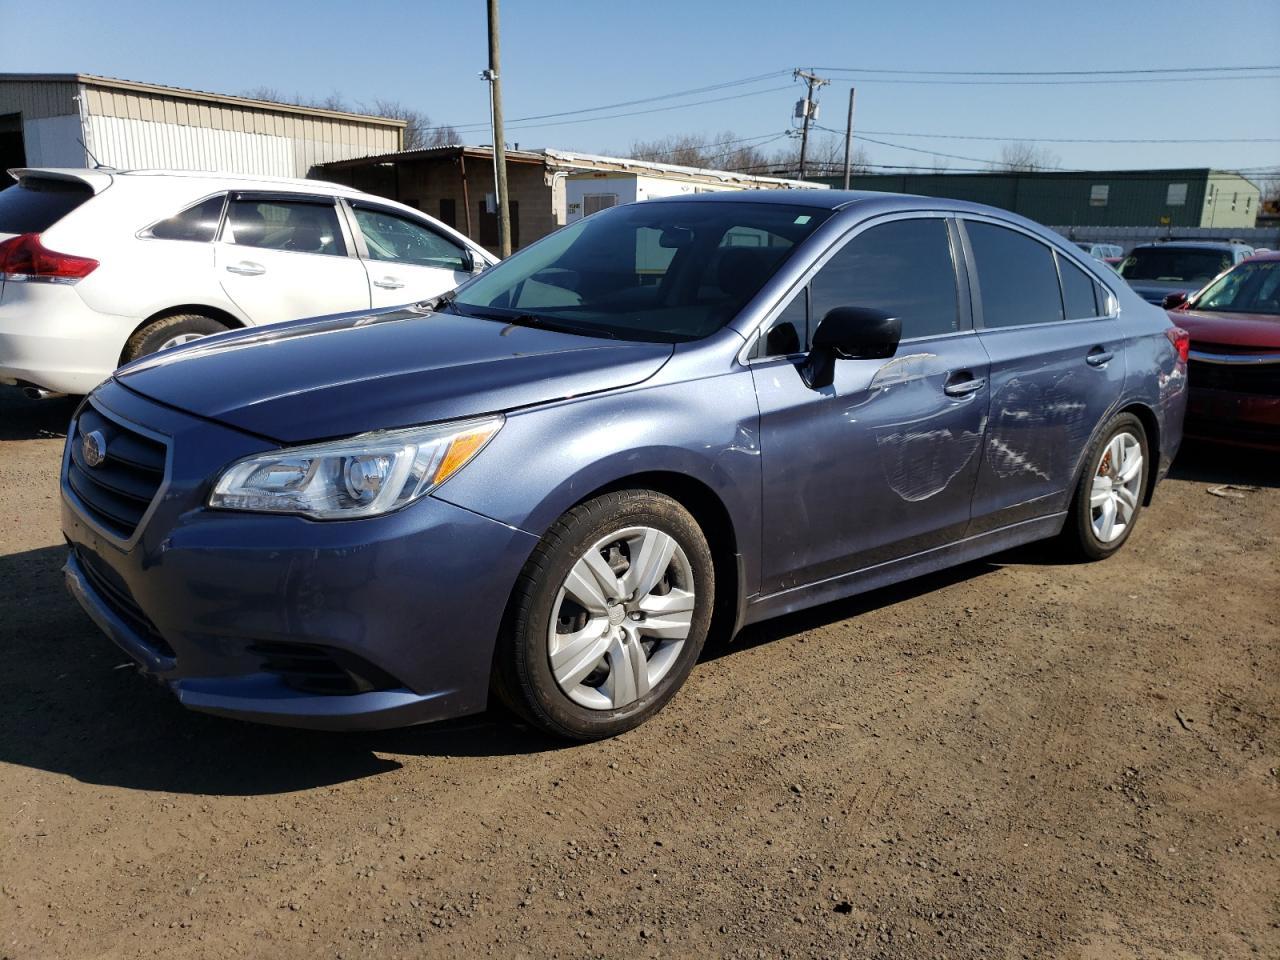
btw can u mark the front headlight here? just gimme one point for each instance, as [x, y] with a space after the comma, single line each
[363, 476]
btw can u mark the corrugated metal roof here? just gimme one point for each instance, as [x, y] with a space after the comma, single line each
[115, 83]
[571, 160]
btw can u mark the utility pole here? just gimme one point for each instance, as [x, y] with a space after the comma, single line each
[848, 140]
[493, 75]
[807, 108]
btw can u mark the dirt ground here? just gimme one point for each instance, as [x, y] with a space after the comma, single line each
[1017, 758]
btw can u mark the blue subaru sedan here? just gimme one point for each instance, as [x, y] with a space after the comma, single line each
[547, 487]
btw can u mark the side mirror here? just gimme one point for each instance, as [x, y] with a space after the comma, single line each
[849, 333]
[471, 263]
[1172, 301]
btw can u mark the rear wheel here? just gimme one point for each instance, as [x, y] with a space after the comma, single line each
[1109, 494]
[170, 332]
[608, 617]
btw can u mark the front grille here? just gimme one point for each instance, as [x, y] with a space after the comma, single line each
[311, 668]
[117, 597]
[1262, 379]
[117, 492]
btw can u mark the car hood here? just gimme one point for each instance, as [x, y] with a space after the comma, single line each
[347, 374]
[1154, 291]
[1236, 329]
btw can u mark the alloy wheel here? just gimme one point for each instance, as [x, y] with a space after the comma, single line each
[1117, 487]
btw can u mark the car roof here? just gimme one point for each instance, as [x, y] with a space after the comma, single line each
[98, 178]
[1197, 244]
[846, 199]
[1265, 255]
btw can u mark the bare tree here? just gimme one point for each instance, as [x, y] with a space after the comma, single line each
[727, 151]
[1021, 156]
[419, 132]
[824, 158]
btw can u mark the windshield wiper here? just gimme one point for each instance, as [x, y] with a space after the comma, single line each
[439, 303]
[537, 321]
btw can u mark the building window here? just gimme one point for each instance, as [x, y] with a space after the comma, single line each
[489, 225]
[595, 202]
[1177, 195]
[1098, 194]
[449, 211]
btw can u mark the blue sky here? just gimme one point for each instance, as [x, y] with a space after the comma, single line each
[566, 55]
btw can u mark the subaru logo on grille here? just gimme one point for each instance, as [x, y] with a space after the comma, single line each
[93, 446]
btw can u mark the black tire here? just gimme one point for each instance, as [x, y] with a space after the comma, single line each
[522, 674]
[1079, 540]
[150, 338]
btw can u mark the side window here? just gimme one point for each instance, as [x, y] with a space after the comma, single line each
[298, 227]
[397, 239]
[1079, 292]
[1016, 277]
[198, 223]
[904, 268]
[790, 331]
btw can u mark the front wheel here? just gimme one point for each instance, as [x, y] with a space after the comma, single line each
[1109, 494]
[608, 617]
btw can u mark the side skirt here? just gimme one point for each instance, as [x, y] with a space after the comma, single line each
[904, 568]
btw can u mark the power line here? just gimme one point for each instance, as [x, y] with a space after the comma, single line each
[862, 78]
[636, 113]
[965, 136]
[1048, 73]
[632, 103]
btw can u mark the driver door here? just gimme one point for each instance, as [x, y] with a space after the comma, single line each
[404, 259]
[881, 464]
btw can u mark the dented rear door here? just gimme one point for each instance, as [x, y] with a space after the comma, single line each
[1054, 373]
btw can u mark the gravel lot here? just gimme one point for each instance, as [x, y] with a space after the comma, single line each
[1015, 758]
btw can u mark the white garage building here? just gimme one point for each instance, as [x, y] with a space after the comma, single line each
[75, 119]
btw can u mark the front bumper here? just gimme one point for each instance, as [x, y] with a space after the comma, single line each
[50, 338]
[195, 595]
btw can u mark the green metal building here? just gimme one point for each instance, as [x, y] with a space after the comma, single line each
[1106, 198]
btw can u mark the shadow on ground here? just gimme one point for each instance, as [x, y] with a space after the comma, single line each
[72, 703]
[25, 419]
[1212, 463]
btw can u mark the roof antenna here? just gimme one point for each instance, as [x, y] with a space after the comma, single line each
[80, 106]
[96, 164]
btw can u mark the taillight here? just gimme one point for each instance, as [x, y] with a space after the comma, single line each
[1181, 341]
[24, 257]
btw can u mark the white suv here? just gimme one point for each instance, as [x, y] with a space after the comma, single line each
[100, 267]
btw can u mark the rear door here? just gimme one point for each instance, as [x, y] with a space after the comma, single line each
[404, 258]
[881, 464]
[1057, 366]
[285, 256]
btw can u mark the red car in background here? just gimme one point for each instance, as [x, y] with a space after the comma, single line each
[1234, 362]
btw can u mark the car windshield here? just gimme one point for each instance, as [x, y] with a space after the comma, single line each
[653, 271]
[1175, 264]
[1249, 288]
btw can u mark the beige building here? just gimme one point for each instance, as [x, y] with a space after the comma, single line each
[79, 120]
[547, 188]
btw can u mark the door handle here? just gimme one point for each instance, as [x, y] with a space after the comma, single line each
[1099, 357]
[965, 388]
[247, 268]
[388, 283]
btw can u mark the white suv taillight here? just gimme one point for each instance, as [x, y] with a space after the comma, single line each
[25, 258]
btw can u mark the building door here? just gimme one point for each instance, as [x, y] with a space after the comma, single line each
[13, 151]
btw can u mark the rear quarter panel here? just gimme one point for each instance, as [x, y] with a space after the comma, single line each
[138, 278]
[1154, 378]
